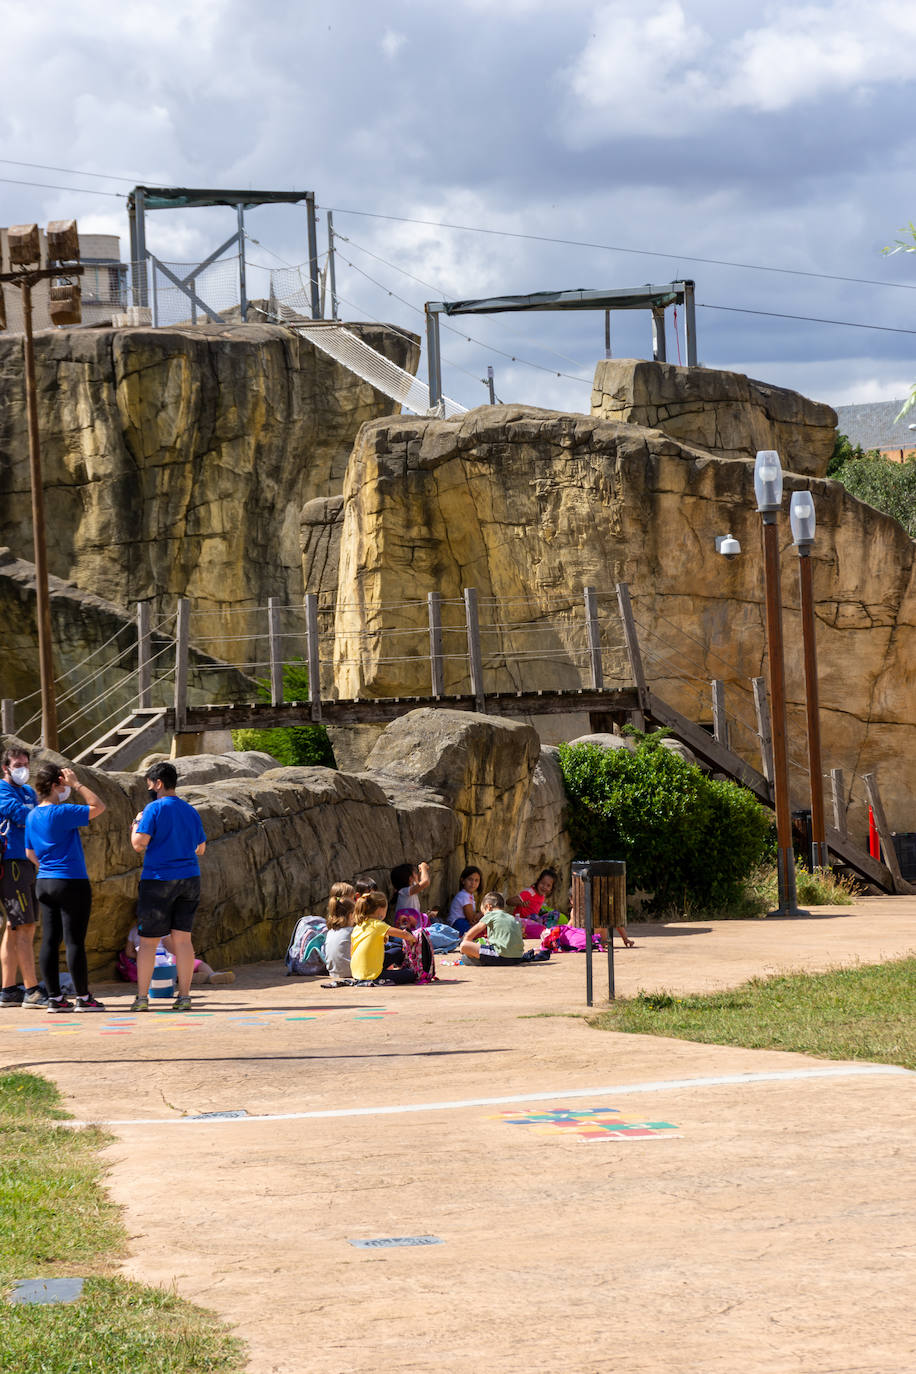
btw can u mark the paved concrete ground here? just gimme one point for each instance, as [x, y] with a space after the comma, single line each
[768, 1225]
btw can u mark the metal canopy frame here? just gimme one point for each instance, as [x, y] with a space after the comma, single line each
[653, 298]
[143, 198]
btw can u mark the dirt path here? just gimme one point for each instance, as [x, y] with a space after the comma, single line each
[763, 1222]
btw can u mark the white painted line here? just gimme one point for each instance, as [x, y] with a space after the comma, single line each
[617, 1090]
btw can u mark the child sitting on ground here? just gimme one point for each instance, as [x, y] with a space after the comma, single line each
[368, 960]
[408, 881]
[165, 954]
[463, 912]
[531, 901]
[341, 905]
[504, 943]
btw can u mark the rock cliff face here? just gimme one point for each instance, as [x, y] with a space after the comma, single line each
[479, 791]
[177, 461]
[530, 507]
[724, 413]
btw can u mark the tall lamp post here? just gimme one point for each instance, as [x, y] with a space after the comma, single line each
[768, 490]
[24, 245]
[803, 521]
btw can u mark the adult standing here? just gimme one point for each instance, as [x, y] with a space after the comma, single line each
[169, 835]
[17, 885]
[63, 889]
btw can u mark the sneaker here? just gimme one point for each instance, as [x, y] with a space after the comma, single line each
[35, 997]
[181, 1004]
[88, 1004]
[56, 1004]
[140, 1004]
[11, 997]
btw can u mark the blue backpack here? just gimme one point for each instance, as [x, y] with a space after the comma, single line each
[306, 948]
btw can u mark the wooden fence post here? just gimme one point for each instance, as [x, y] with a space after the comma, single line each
[182, 646]
[838, 788]
[311, 639]
[474, 658]
[764, 733]
[884, 834]
[7, 718]
[594, 639]
[274, 651]
[144, 672]
[719, 720]
[436, 665]
[631, 639]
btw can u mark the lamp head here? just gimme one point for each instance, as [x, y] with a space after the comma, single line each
[802, 519]
[768, 480]
[727, 545]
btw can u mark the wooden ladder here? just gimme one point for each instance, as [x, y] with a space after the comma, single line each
[126, 742]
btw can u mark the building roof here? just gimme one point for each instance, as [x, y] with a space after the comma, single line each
[875, 426]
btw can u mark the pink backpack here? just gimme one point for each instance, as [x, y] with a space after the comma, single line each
[421, 957]
[565, 938]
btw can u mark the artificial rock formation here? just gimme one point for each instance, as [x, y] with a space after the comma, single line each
[724, 413]
[177, 461]
[530, 507]
[449, 788]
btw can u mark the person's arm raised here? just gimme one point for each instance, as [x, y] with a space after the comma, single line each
[95, 804]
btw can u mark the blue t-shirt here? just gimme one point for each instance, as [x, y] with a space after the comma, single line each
[175, 832]
[15, 804]
[52, 831]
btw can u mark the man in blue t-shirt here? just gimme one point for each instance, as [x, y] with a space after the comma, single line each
[169, 835]
[17, 885]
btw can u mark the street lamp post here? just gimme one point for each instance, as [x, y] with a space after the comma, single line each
[803, 521]
[768, 489]
[24, 245]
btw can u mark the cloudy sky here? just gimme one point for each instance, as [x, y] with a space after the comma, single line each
[677, 138]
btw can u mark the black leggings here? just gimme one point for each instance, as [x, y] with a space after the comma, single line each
[65, 905]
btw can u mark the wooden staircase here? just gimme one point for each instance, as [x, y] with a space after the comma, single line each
[126, 742]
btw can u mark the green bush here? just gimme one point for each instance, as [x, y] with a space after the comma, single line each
[684, 837]
[290, 745]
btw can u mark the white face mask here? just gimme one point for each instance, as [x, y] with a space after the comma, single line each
[20, 775]
[63, 793]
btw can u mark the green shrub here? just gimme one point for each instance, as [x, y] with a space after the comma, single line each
[290, 745]
[684, 837]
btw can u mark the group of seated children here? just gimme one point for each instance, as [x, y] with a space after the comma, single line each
[362, 947]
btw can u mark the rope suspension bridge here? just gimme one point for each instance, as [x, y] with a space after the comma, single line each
[472, 662]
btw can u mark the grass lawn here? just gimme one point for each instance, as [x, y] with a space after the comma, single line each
[58, 1221]
[864, 1012]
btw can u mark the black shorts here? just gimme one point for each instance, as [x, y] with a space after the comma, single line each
[17, 893]
[168, 904]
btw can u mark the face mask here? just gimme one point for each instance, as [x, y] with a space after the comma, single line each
[152, 794]
[63, 793]
[19, 775]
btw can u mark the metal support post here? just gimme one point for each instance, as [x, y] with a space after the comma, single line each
[42, 588]
[436, 665]
[658, 334]
[313, 253]
[314, 662]
[275, 651]
[332, 269]
[182, 647]
[474, 658]
[138, 249]
[433, 361]
[144, 672]
[607, 334]
[785, 855]
[594, 640]
[690, 322]
[490, 385]
[243, 297]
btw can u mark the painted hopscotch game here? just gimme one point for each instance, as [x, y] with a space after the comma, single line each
[126, 1024]
[590, 1123]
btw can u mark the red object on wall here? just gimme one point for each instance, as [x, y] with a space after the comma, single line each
[874, 844]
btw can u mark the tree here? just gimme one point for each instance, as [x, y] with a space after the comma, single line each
[888, 486]
[907, 245]
[290, 745]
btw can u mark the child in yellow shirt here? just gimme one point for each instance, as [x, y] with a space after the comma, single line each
[367, 942]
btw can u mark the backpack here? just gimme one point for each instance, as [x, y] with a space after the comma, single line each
[306, 948]
[4, 837]
[421, 957]
[561, 939]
